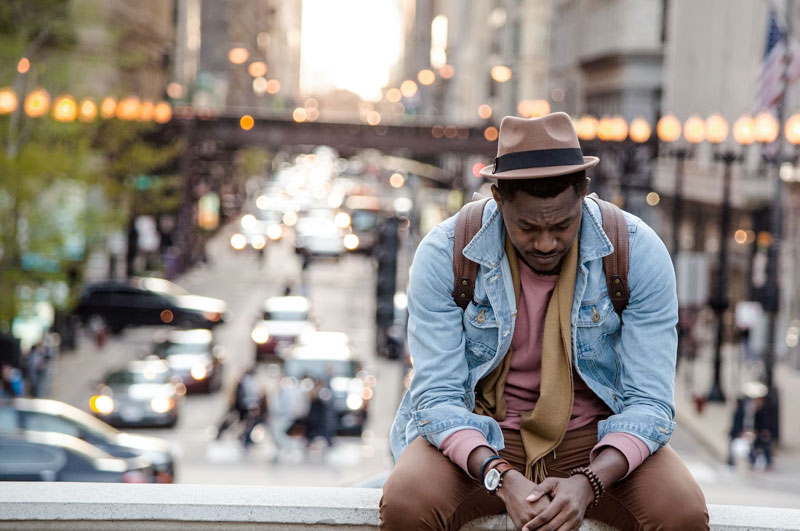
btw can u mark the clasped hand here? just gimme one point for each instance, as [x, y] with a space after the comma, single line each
[556, 504]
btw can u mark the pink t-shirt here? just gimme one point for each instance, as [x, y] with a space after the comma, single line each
[521, 390]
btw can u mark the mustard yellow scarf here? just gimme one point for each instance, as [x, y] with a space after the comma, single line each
[542, 429]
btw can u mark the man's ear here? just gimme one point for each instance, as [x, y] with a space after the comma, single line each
[497, 197]
[586, 187]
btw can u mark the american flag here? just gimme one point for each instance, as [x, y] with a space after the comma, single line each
[778, 68]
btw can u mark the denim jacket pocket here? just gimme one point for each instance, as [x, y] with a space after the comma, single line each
[597, 353]
[480, 330]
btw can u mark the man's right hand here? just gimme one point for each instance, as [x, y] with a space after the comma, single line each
[513, 491]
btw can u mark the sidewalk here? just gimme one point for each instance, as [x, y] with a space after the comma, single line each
[711, 426]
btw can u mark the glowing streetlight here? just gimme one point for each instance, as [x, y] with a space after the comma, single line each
[408, 88]
[586, 127]
[717, 129]
[426, 77]
[485, 111]
[162, 113]
[246, 122]
[604, 129]
[393, 95]
[500, 73]
[238, 55]
[640, 130]
[619, 129]
[766, 128]
[8, 100]
[447, 71]
[533, 108]
[694, 130]
[273, 86]
[146, 111]
[108, 108]
[87, 111]
[299, 115]
[128, 108]
[744, 130]
[491, 133]
[257, 69]
[37, 103]
[792, 129]
[668, 128]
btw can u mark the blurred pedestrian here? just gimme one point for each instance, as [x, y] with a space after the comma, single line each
[761, 449]
[37, 364]
[320, 422]
[12, 384]
[243, 407]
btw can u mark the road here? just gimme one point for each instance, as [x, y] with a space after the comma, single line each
[342, 296]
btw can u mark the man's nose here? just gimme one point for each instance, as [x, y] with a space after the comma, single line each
[545, 243]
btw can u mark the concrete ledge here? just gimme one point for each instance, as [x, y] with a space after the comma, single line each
[90, 506]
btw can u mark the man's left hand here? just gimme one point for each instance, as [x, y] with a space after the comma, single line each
[570, 498]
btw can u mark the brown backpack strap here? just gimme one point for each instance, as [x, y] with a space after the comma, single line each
[615, 265]
[468, 223]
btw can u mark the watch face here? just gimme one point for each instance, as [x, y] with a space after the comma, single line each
[492, 480]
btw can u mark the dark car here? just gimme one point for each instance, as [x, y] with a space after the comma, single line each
[193, 357]
[147, 301]
[142, 393]
[43, 456]
[352, 387]
[38, 414]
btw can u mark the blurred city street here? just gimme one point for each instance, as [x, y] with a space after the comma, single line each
[209, 210]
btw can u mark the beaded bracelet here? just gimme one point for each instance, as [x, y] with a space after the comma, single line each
[596, 483]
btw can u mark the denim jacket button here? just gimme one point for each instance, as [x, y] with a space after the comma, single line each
[481, 316]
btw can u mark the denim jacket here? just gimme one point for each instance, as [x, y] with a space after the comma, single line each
[631, 367]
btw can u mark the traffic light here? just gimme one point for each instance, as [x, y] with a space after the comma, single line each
[386, 255]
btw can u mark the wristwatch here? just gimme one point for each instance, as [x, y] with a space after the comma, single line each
[494, 477]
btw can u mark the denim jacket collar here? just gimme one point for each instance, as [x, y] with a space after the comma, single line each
[486, 248]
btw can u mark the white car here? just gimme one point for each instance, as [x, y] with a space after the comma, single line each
[282, 321]
[319, 237]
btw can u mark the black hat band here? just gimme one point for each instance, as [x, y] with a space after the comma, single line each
[538, 158]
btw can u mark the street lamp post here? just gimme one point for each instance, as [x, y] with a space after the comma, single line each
[717, 132]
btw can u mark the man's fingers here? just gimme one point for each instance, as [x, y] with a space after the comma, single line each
[545, 516]
[545, 487]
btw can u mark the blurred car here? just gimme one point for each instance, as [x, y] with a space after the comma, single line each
[39, 414]
[352, 387]
[365, 217]
[319, 237]
[255, 233]
[49, 456]
[142, 393]
[193, 357]
[147, 301]
[282, 320]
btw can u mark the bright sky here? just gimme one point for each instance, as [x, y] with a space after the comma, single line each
[349, 44]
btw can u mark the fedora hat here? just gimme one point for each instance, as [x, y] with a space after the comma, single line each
[532, 148]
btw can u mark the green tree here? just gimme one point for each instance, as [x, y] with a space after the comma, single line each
[63, 186]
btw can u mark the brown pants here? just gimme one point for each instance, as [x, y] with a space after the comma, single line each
[427, 491]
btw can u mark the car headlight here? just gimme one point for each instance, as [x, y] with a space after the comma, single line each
[199, 372]
[238, 241]
[102, 404]
[260, 335]
[350, 242]
[354, 402]
[161, 404]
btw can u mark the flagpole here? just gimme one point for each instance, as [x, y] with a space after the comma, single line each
[772, 299]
